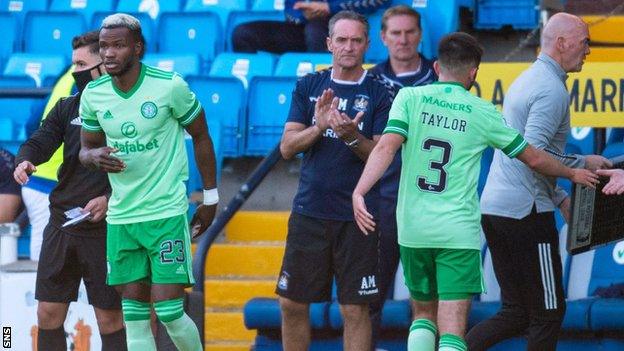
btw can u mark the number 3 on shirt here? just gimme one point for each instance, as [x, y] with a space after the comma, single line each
[436, 165]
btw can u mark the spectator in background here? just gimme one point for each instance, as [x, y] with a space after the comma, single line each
[401, 32]
[305, 28]
[336, 117]
[519, 205]
[76, 252]
[10, 191]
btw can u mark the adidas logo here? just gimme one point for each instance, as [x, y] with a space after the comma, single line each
[76, 121]
[108, 115]
[180, 270]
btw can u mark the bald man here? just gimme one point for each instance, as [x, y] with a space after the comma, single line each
[518, 205]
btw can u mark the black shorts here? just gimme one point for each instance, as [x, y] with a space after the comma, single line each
[317, 250]
[64, 260]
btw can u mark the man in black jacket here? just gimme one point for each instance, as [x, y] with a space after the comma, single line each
[75, 252]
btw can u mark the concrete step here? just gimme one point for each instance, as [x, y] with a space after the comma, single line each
[228, 346]
[235, 259]
[226, 325]
[229, 293]
[258, 226]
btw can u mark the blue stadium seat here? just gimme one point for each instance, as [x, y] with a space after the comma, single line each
[440, 19]
[153, 8]
[298, 64]
[239, 17]
[486, 162]
[8, 23]
[51, 32]
[6, 128]
[195, 182]
[268, 106]
[221, 7]
[264, 313]
[268, 5]
[614, 150]
[612, 344]
[242, 66]
[16, 110]
[198, 33]
[494, 14]
[377, 51]
[147, 26]
[184, 64]
[599, 268]
[20, 8]
[8, 82]
[396, 314]
[470, 4]
[583, 137]
[616, 136]
[37, 66]
[223, 100]
[84, 7]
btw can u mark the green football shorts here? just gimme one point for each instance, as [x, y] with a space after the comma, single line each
[158, 251]
[444, 274]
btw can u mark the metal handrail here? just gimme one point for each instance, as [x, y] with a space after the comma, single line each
[25, 92]
[209, 236]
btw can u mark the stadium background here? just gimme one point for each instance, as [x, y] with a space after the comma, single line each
[247, 97]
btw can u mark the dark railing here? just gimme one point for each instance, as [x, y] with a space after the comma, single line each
[25, 92]
[209, 236]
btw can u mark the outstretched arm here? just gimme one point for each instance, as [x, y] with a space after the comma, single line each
[378, 161]
[539, 161]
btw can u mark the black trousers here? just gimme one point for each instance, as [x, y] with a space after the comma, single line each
[280, 37]
[527, 264]
[388, 262]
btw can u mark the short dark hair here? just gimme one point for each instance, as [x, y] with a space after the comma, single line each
[458, 52]
[89, 39]
[348, 15]
[399, 10]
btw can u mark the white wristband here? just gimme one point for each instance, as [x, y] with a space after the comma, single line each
[211, 196]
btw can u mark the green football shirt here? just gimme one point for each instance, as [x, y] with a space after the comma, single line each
[146, 125]
[446, 130]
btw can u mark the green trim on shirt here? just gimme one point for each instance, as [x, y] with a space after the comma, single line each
[192, 113]
[158, 73]
[516, 146]
[103, 79]
[397, 127]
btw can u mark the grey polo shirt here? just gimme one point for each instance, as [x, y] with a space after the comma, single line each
[538, 106]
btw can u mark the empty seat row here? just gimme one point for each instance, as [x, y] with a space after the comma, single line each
[201, 33]
[251, 121]
[44, 68]
[151, 7]
[204, 28]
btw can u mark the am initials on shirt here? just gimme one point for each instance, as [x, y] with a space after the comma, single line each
[368, 282]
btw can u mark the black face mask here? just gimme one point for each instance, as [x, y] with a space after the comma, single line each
[83, 78]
